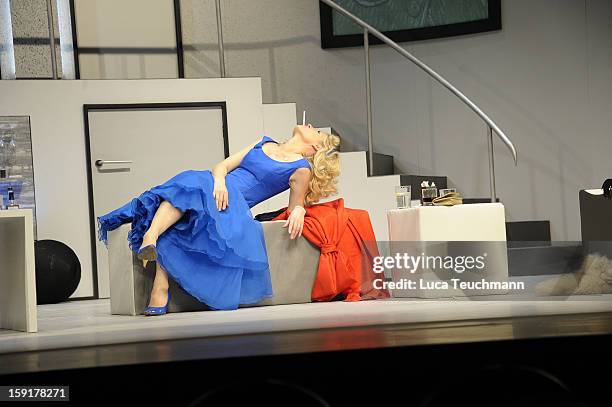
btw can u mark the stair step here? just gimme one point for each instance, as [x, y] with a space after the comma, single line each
[477, 200]
[545, 260]
[383, 164]
[531, 233]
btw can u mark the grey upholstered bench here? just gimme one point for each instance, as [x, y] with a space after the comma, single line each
[293, 269]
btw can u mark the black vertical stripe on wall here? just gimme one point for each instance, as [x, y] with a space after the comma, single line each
[75, 44]
[179, 39]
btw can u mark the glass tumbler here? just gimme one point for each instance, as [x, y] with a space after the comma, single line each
[402, 196]
[428, 194]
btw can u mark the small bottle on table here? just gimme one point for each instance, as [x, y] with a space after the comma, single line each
[11, 199]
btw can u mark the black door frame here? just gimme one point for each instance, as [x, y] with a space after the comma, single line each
[130, 106]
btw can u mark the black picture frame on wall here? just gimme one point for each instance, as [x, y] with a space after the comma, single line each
[329, 40]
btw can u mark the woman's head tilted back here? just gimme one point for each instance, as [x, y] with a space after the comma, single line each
[321, 151]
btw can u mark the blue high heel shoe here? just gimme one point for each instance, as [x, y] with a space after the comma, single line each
[148, 253]
[158, 310]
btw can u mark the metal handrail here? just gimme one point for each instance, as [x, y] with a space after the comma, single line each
[492, 127]
[368, 29]
[220, 38]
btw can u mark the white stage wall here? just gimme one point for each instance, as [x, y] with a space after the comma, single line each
[58, 140]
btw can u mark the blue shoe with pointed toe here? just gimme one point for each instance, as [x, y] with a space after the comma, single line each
[158, 310]
[148, 253]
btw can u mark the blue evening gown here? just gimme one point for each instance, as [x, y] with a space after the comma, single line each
[219, 257]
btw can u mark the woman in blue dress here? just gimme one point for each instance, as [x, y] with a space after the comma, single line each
[199, 228]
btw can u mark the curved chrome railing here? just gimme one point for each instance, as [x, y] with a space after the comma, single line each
[492, 127]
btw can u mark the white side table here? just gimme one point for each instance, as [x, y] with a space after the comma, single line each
[17, 273]
[468, 230]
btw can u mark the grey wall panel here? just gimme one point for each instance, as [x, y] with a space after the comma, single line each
[546, 78]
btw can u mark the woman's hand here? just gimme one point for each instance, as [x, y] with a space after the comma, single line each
[295, 221]
[220, 194]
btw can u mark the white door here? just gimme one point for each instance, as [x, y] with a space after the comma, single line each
[159, 142]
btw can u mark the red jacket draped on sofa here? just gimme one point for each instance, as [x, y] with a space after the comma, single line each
[348, 245]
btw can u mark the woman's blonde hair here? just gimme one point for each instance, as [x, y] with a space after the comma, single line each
[325, 166]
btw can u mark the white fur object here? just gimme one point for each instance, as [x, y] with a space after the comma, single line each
[593, 277]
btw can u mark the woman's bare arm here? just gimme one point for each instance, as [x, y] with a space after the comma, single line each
[298, 182]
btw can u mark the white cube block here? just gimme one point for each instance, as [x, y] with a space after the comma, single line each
[471, 230]
[472, 222]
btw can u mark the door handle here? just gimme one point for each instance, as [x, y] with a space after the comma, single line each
[100, 163]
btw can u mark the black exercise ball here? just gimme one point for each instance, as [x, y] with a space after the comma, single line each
[58, 271]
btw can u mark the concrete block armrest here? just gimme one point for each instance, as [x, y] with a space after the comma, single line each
[274, 230]
[293, 269]
[274, 227]
[293, 264]
[273, 222]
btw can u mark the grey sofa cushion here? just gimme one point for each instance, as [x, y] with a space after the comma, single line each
[293, 269]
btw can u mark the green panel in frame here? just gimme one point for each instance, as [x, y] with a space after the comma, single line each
[408, 20]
